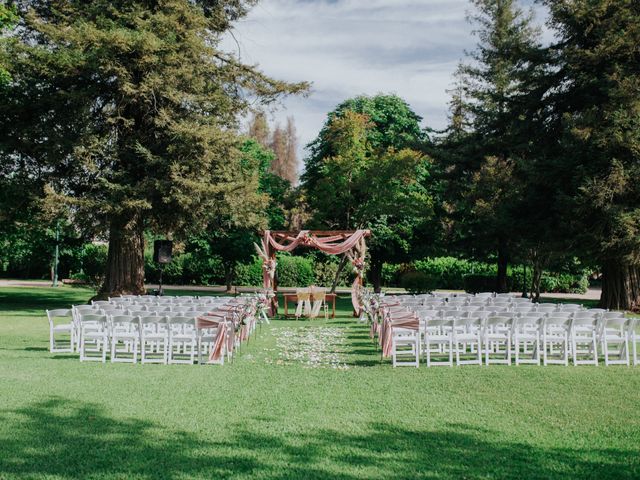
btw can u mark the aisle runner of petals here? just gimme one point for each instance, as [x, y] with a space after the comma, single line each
[314, 347]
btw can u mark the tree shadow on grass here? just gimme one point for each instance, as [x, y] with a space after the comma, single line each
[28, 302]
[73, 440]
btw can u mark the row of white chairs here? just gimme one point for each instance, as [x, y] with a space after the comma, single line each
[70, 324]
[550, 338]
[156, 338]
[88, 325]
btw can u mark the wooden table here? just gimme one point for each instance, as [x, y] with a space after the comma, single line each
[292, 297]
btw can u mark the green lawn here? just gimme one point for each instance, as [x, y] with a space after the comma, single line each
[268, 415]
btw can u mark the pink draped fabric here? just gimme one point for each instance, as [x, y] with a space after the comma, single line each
[333, 245]
[393, 320]
[214, 320]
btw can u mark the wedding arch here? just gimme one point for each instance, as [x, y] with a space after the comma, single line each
[335, 242]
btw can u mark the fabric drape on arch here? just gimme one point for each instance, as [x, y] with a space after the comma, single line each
[351, 243]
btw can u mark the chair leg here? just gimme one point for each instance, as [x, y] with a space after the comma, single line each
[486, 353]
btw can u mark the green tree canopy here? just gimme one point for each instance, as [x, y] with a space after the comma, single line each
[488, 137]
[592, 127]
[127, 112]
[369, 177]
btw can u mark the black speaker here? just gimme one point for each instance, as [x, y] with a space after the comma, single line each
[162, 251]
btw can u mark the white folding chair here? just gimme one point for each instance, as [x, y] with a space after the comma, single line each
[555, 333]
[634, 338]
[181, 308]
[206, 340]
[125, 338]
[497, 339]
[496, 311]
[183, 340]
[468, 332]
[521, 301]
[526, 331]
[303, 308]
[438, 340]
[405, 343]
[68, 326]
[94, 337]
[100, 303]
[615, 331]
[320, 302]
[570, 307]
[524, 307]
[111, 310]
[154, 339]
[584, 338]
[79, 310]
[546, 308]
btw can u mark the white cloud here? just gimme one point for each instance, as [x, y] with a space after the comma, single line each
[351, 47]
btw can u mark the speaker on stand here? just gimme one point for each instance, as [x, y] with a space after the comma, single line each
[162, 250]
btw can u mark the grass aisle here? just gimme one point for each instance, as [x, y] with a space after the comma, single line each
[302, 400]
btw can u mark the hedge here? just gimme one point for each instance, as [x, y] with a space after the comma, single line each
[439, 272]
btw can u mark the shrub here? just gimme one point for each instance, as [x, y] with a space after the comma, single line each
[294, 271]
[391, 274]
[249, 274]
[201, 270]
[418, 282]
[325, 273]
[450, 272]
[171, 272]
[291, 271]
[93, 259]
[554, 282]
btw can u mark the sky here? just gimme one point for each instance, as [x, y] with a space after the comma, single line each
[350, 47]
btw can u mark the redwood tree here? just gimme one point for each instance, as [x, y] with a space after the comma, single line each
[127, 112]
[594, 120]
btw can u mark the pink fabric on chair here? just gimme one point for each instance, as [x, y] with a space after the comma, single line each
[406, 319]
[221, 324]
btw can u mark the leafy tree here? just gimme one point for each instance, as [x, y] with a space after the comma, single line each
[487, 138]
[224, 238]
[362, 173]
[8, 18]
[127, 111]
[593, 124]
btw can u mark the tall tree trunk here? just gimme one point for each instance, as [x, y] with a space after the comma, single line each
[375, 273]
[229, 274]
[620, 285]
[125, 261]
[503, 262]
[536, 277]
[334, 285]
